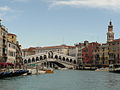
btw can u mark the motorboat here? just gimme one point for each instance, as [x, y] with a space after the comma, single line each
[48, 70]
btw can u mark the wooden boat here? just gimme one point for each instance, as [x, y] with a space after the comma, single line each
[48, 70]
[12, 73]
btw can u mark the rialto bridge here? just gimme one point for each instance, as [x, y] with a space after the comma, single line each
[51, 59]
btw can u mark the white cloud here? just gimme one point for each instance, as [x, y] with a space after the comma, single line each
[5, 8]
[107, 4]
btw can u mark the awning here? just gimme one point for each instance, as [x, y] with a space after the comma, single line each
[6, 64]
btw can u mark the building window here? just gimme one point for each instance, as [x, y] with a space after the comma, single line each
[118, 56]
[12, 37]
[9, 45]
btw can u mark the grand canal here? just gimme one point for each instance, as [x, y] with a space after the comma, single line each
[64, 80]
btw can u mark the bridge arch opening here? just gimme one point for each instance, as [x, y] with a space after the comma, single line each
[25, 61]
[37, 59]
[63, 58]
[50, 54]
[75, 62]
[45, 57]
[56, 57]
[33, 59]
[67, 60]
[58, 64]
[70, 60]
[29, 60]
[41, 58]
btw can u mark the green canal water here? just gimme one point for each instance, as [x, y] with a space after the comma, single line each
[64, 80]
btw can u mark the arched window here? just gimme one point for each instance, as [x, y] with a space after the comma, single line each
[25, 61]
[29, 60]
[41, 57]
[63, 58]
[45, 57]
[33, 59]
[56, 57]
[67, 60]
[37, 59]
[75, 62]
[70, 60]
[50, 54]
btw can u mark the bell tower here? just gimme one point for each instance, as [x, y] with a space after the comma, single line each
[110, 33]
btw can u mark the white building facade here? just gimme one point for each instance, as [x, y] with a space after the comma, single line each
[11, 52]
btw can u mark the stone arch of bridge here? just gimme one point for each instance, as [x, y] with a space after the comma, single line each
[75, 62]
[56, 57]
[70, 60]
[37, 59]
[45, 56]
[33, 59]
[63, 58]
[50, 54]
[41, 57]
[29, 60]
[60, 57]
[25, 61]
[67, 60]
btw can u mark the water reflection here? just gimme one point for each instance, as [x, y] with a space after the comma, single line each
[113, 80]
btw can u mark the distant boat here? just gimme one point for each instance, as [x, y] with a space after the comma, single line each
[115, 68]
[102, 69]
[48, 70]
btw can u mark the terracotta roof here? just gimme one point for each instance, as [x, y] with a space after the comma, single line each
[49, 47]
[59, 46]
[29, 49]
[11, 34]
[116, 40]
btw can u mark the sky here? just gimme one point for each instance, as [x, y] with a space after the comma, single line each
[54, 22]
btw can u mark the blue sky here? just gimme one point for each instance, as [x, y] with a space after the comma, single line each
[54, 22]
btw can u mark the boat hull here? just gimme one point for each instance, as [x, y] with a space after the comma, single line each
[115, 71]
[12, 74]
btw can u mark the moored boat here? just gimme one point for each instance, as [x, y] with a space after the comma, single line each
[13, 73]
[115, 68]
